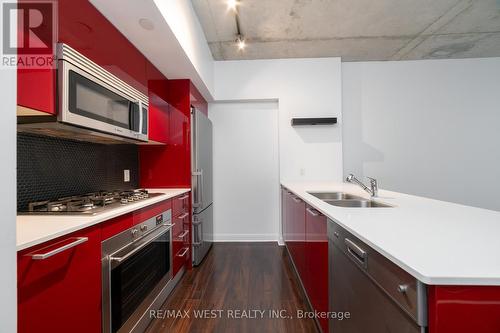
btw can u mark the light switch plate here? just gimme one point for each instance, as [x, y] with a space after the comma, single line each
[126, 175]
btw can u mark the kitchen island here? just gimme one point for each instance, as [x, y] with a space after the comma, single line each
[451, 248]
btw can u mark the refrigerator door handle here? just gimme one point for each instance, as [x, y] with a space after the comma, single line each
[198, 193]
[197, 234]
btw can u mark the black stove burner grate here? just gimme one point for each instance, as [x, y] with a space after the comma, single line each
[88, 202]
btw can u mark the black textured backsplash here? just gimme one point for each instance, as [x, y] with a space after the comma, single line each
[50, 168]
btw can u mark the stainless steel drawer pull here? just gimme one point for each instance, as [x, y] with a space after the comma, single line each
[183, 216]
[41, 256]
[356, 252]
[312, 212]
[184, 197]
[184, 234]
[183, 252]
[403, 288]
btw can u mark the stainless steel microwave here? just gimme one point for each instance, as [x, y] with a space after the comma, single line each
[93, 98]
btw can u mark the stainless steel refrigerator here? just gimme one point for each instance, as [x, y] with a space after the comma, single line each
[202, 184]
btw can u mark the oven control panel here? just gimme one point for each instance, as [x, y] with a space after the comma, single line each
[159, 219]
[136, 232]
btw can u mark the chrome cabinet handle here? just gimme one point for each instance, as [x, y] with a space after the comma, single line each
[183, 252]
[312, 212]
[403, 288]
[184, 234]
[183, 216]
[42, 256]
[356, 252]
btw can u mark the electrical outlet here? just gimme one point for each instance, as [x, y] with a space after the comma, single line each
[302, 171]
[126, 175]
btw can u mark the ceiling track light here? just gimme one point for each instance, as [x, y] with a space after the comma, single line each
[240, 40]
[232, 5]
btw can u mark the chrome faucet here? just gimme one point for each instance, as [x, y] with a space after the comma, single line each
[373, 190]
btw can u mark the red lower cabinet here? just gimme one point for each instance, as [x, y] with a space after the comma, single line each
[181, 233]
[59, 285]
[316, 279]
[460, 309]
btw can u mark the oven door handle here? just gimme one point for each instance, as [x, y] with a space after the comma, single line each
[119, 260]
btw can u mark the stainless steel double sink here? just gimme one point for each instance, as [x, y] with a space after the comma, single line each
[342, 199]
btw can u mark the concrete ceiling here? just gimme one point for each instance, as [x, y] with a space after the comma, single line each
[356, 30]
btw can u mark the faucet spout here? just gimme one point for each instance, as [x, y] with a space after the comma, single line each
[373, 190]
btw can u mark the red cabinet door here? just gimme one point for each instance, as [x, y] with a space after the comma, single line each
[36, 89]
[316, 280]
[61, 293]
[159, 113]
[464, 309]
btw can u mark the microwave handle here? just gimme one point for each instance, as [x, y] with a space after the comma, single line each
[141, 116]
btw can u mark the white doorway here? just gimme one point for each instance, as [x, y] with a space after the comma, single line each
[246, 171]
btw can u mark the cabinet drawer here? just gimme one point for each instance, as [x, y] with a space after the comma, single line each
[181, 223]
[59, 284]
[180, 204]
[181, 255]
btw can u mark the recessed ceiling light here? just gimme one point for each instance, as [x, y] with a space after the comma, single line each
[146, 24]
[232, 5]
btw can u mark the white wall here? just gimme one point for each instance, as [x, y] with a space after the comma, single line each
[8, 289]
[304, 88]
[429, 128]
[246, 171]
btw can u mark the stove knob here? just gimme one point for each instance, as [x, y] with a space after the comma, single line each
[144, 227]
[134, 232]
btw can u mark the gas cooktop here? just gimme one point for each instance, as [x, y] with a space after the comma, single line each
[90, 203]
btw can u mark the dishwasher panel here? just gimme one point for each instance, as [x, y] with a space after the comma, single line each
[380, 297]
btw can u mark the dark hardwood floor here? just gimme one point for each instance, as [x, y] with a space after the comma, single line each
[237, 276]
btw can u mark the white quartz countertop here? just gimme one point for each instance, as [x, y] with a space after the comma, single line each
[36, 229]
[439, 243]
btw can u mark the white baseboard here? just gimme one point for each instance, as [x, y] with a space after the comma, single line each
[245, 238]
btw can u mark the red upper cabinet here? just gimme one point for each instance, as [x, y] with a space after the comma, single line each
[159, 109]
[35, 87]
[170, 166]
[159, 119]
[316, 279]
[85, 29]
[61, 292]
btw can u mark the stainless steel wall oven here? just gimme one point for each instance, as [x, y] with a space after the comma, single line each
[136, 269]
